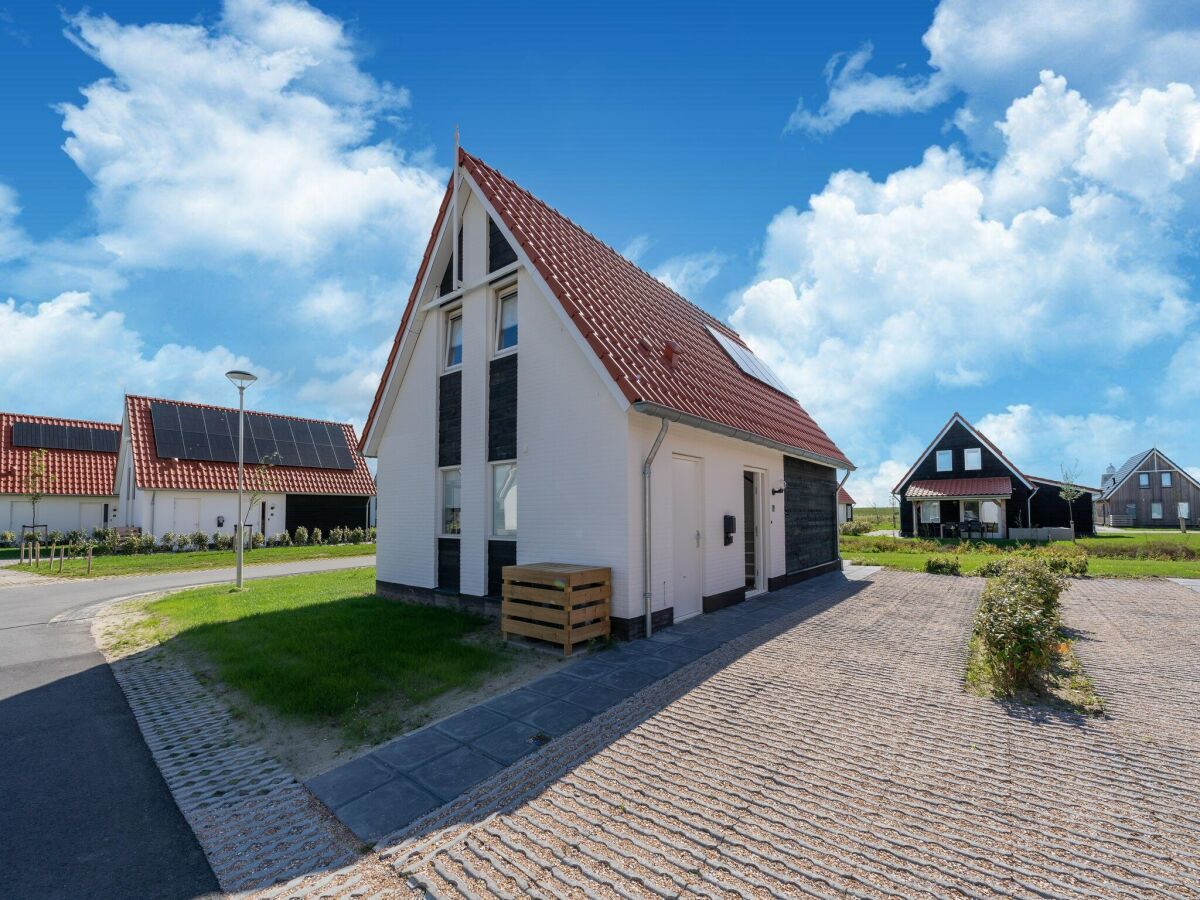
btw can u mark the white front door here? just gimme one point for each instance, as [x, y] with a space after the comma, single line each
[91, 515]
[187, 515]
[689, 560]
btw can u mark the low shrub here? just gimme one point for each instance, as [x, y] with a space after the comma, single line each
[856, 526]
[337, 535]
[7, 538]
[146, 543]
[317, 537]
[886, 544]
[1017, 623]
[357, 536]
[1063, 561]
[1155, 549]
[55, 537]
[371, 534]
[166, 542]
[943, 565]
[300, 536]
[992, 568]
[223, 541]
[256, 540]
[75, 536]
[182, 541]
[199, 540]
[128, 544]
[282, 539]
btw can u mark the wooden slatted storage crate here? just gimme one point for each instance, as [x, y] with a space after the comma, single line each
[556, 602]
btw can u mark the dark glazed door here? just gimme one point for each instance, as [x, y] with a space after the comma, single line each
[750, 529]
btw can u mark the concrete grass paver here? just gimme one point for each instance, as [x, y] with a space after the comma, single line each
[833, 752]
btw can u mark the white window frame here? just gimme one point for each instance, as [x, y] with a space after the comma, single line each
[502, 294]
[451, 315]
[950, 456]
[978, 459]
[937, 506]
[1156, 510]
[492, 467]
[441, 507]
[1165, 479]
[1183, 509]
[1143, 479]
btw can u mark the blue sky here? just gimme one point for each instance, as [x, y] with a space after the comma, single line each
[907, 209]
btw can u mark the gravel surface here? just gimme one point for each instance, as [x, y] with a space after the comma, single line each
[833, 752]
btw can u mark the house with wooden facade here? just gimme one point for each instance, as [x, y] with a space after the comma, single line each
[1149, 491]
[962, 485]
[640, 433]
[77, 490]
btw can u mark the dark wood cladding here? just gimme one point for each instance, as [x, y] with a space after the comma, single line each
[325, 511]
[500, 554]
[450, 419]
[1131, 497]
[448, 563]
[502, 408]
[500, 252]
[447, 283]
[810, 514]
[1049, 510]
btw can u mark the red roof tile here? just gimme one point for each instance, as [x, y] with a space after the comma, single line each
[197, 475]
[77, 473]
[630, 319]
[960, 487]
[844, 496]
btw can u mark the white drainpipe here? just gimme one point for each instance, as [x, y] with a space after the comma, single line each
[646, 589]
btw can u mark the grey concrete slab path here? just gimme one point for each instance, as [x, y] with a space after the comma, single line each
[384, 791]
[1193, 583]
[84, 811]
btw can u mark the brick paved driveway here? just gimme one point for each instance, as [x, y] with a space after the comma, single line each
[833, 752]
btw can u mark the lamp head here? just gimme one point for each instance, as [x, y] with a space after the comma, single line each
[240, 378]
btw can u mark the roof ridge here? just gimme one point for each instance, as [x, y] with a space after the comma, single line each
[616, 253]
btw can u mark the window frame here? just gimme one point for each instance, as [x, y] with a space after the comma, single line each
[492, 532]
[1153, 506]
[1143, 479]
[938, 460]
[967, 467]
[450, 317]
[441, 507]
[937, 505]
[501, 294]
[1183, 509]
[1165, 480]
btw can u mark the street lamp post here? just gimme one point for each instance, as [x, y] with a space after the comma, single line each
[241, 380]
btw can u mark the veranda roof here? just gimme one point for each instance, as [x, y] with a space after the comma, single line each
[961, 488]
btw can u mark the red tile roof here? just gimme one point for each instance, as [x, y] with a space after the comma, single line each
[653, 343]
[78, 473]
[197, 475]
[960, 487]
[844, 497]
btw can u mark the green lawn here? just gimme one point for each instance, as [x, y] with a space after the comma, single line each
[150, 563]
[323, 648]
[1099, 566]
[10, 552]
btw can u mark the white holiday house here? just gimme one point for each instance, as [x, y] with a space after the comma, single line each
[643, 434]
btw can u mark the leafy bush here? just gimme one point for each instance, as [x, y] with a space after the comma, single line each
[74, 536]
[146, 543]
[856, 526]
[943, 565]
[1063, 561]
[301, 536]
[357, 536]
[128, 544]
[182, 541]
[317, 537]
[7, 537]
[337, 535]
[199, 540]
[1017, 623]
[56, 537]
[371, 534]
[222, 541]
[256, 540]
[282, 539]
[885, 544]
[992, 568]
[1155, 549]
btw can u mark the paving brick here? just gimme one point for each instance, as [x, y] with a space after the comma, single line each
[508, 743]
[349, 781]
[556, 685]
[450, 775]
[415, 749]
[627, 681]
[514, 703]
[471, 723]
[653, 665]
[597, 697]
[557, 717]
[387, 808]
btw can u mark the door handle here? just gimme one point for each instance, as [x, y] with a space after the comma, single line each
[697, 538]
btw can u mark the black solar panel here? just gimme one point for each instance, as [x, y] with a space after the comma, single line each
[65, 437]
[188, 432]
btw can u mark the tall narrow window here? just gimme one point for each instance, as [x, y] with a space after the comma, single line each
[506, 322]
[1156, 510]
[1166, 479]
[1184, 510]
[1144, 479]
[454, 341]
[972, 459]
[504, 500]
[451, 501]
[945, 460]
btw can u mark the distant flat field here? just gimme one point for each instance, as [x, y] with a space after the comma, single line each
[149, 563]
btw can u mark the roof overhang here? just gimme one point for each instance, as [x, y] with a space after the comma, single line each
[674, 415]
[990, 488]
[958, 417]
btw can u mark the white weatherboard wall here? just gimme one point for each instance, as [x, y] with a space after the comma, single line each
[723, 461]
[57, 513]
[157, 511]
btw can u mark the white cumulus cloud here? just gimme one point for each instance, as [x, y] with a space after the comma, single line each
[689, 274]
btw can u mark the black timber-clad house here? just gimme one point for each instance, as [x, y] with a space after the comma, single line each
[964, 485]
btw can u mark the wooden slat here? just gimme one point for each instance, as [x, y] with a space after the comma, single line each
[589, 613]
[528, 629]
[587, 632]
[537, 613]
[540, 595]
[591, 594]
[590, 576]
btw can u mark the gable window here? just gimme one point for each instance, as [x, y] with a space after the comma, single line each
[972, 459]
[945, 460]
[1144, 479]
[1156, 510]
[451, 501]
[506, 322]
[454, 341]
[504, 500]
[1166, 479]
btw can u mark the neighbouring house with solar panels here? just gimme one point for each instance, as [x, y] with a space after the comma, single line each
[81, 458]
[176, 470]
[640, 433]
[1149, 491]
[963, 486]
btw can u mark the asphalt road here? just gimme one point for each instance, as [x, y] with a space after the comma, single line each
[84, 811]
